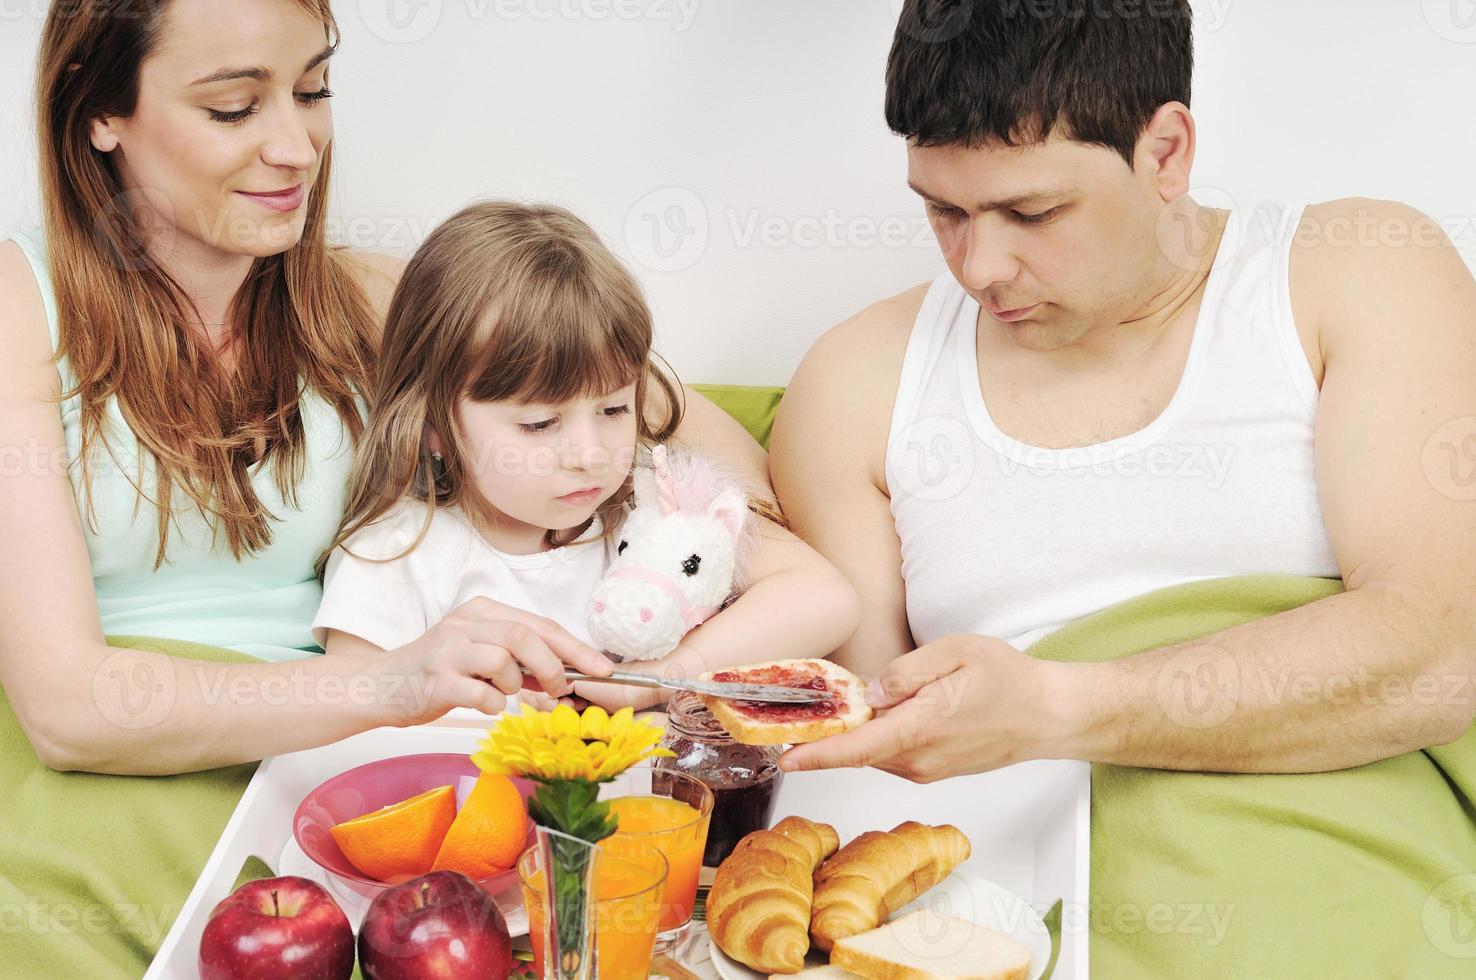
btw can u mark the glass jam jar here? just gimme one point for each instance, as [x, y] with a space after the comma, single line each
[744, 779]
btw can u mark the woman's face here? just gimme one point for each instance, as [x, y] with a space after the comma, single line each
[232, 105]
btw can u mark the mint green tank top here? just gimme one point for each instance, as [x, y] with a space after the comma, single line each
[261, 605]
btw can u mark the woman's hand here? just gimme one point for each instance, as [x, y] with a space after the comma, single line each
[479, 654]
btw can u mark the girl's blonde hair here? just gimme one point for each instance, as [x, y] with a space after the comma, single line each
[502, 301]
[301, 318]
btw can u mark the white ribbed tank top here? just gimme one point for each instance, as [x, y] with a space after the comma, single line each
[1005, 539]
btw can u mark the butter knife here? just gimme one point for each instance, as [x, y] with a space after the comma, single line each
[773, 693]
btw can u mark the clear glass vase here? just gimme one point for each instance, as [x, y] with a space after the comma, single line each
[568, 866]
[600, 917]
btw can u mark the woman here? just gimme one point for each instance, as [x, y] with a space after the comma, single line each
[207, 351]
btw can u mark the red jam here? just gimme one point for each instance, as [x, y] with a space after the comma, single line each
[776, 712]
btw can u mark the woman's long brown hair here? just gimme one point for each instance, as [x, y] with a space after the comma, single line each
[502, 300]
[302, 321]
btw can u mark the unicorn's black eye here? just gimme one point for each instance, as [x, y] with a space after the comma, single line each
[690, 566]
[623, 545]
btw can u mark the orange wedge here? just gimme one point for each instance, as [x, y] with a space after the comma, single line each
[400, 840]
[489, 832]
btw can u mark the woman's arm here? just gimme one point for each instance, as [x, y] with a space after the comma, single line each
[85, 705]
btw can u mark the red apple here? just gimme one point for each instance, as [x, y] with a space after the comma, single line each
[277, 927]
[438, 925]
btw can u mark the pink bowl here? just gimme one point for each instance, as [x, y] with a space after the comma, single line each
[371, 786]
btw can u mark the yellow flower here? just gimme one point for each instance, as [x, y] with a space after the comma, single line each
[563, 744]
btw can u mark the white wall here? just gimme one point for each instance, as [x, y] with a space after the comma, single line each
[735, 150]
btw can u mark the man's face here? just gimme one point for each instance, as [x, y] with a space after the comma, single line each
[1052, 240]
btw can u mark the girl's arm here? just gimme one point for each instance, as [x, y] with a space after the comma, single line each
[797, 605]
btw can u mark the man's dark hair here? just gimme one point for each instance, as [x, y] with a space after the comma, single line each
[974, 72]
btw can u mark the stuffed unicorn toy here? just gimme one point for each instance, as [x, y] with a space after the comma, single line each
[680, 558]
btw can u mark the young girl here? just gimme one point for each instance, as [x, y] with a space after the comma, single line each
[516, 383]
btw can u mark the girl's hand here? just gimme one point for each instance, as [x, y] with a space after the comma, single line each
[685, 663]
[613, 697]
[481, 652]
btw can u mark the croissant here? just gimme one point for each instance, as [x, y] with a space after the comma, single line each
[878, 873]
[758, 911]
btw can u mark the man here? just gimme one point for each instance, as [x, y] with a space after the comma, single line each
[1116, 390]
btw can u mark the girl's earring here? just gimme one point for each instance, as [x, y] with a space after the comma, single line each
[438, 467]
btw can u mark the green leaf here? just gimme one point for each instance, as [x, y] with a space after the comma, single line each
[574, 807]
[253, 869]
[1053, 927]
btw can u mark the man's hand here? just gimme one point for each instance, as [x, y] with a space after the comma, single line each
[962, 704]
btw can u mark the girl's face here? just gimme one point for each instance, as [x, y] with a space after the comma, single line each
[232, 121]
[548, 467]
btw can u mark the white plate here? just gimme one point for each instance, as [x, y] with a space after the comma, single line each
[961, 894]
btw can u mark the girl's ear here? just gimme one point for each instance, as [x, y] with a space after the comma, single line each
[731, 510]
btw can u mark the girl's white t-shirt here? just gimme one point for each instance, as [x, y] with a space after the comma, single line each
[392, 603]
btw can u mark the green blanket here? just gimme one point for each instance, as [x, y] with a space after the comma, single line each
[94, 869]
[1369, 872]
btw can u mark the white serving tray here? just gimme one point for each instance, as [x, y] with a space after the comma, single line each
[1030, 825]
[262, 824]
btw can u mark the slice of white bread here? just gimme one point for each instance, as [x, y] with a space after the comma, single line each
[817, 973]
[850, 697]
[926, 945]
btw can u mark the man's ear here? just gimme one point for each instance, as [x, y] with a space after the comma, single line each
[104, 134]
[1169, 141]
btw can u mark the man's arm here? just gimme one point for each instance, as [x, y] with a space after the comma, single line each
[1388, 666]
[829, 448]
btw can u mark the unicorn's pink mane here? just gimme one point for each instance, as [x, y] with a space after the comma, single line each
[689, 481]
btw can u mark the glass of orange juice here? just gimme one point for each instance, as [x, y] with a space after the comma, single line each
[672, 811]
[630, 876]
